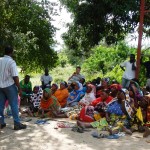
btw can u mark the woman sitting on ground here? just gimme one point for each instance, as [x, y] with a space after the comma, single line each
[135, 92]
[104, 85]
[54, 88]
[49, 104]
[76, 95]
[114, 89]
[96, 109]
[115, 120]
[89, 96]
[62, 94]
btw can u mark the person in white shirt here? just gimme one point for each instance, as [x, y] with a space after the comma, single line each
[76, 76]
[89, 96]
[9, 87]
[129, 68]
[46, 80]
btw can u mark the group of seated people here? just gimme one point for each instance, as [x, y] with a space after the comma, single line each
[102, 105]
[99, 104]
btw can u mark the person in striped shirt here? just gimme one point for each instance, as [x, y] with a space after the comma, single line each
[9, 88]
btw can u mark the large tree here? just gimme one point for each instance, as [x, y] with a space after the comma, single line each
[101, 20]
[26, 24]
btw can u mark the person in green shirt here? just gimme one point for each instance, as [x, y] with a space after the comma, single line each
[26, 87]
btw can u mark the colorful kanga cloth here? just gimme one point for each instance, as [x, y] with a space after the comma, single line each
[127, 104]
[117, 122]
[75, 96]
[101, 107]
[102, 124]
[87, 114]
[114, 108]
[51, 103]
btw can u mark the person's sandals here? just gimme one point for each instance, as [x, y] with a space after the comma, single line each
[99, 135]
[147, 132]
[77, 129]
[114, 136]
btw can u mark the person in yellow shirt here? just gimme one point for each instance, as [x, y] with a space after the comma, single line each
[62, 94]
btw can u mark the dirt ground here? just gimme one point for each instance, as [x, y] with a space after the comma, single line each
[47, 137]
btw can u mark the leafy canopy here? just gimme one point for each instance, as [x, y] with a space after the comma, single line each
[97, 20]
[26, 24]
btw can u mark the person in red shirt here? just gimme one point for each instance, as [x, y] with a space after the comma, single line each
[104, 97]
[99, 105]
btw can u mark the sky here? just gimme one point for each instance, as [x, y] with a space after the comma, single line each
[64, 17]
[60, 22]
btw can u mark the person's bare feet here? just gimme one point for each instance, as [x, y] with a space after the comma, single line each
[147, 132]
[127, 131]
[80, 124]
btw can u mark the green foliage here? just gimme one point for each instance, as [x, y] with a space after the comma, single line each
[26, 25]
[105, 61]
[62, 73]
[63, 60]
[116, 73]
[97, 20]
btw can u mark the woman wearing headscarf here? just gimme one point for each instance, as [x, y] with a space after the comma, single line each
[54, 88]
[89, 96]
[49, 104]
[135, 92]
[76, 95]
[62, 94]
[104, 86]
[116, 113]
[97, 106]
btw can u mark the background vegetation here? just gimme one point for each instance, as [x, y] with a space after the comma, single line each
[94, 40]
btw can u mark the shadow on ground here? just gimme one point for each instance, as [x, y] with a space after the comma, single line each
[47, 137]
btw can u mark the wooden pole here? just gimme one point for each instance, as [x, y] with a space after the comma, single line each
[140, 37]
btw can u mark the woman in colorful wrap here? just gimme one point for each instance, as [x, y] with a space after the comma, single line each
[96, 108]
[76, 95]
[54, 88]
[115, 120]
[49, 104]
[62, 94]
[104, 85]
[135, 92]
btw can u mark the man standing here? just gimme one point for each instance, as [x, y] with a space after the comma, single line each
[46, 80]
[9, 87]
[129, 71]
